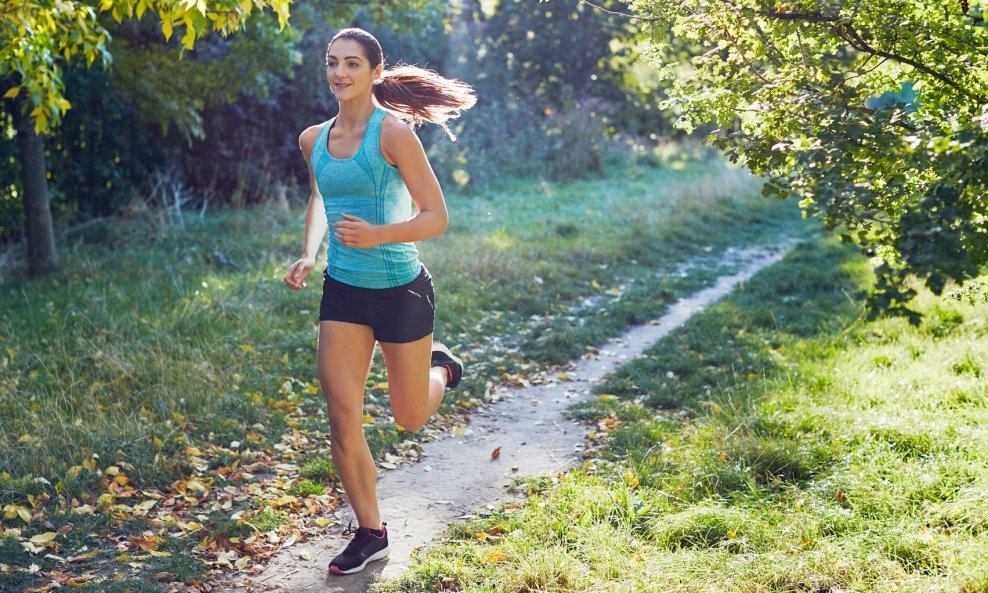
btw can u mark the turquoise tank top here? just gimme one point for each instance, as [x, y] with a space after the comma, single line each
[367, 186]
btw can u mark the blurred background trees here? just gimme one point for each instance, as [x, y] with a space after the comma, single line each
[216, 123]
[873, 114]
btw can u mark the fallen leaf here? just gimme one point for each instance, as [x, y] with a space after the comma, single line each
[44, 538]
[498, 557]
[496, 453]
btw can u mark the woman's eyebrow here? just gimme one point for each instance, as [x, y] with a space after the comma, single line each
[346, 58]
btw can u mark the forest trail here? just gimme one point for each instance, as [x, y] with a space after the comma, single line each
[457, 476]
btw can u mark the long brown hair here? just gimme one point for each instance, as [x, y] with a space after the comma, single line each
[412, 93]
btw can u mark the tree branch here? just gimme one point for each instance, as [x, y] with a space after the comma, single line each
[636, 17]
[852, 37]
[809, 17]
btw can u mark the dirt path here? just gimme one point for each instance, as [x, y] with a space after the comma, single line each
[456, 476]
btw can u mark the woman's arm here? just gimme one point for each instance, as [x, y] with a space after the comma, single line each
[315, 219]
[402, 148]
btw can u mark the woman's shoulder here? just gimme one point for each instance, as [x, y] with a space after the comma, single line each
[392, 125]
[307, 139]
[395, 133]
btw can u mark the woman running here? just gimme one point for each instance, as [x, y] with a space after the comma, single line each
[366, 169]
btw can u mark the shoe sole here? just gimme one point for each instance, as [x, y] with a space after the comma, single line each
[377, 556]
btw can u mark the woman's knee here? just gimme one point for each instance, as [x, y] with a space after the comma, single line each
[411, 420]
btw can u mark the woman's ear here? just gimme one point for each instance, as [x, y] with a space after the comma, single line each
[378, 70]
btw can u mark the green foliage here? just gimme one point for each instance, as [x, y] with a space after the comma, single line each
[171, 86]
[318, 468]
[37, 35]
[268, 519]
[306, 488]
[548, 106]
[874, 114]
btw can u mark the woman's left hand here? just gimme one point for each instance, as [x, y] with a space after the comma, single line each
[354, 231]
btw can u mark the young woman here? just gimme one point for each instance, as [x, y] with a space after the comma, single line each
[366, 169]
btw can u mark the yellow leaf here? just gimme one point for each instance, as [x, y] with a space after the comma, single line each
[563, 377]
[44, 538]
[242, 563]
[596, 284]
[105, 5]
[25, 438]
[12, 510]
[178, 418]
[201, 5]
[197, 487]
[87, 556]
[113, 471]
[322, 522]
[496, 557]
[189, 39]
[158, 554]
[166, 28]
[12, 93]
[368, 419]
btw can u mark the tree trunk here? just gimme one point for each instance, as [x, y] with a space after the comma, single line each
[41, 255]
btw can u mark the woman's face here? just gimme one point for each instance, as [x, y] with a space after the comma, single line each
[348, 70]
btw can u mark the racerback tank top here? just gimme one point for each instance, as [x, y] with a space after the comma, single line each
[367, 186]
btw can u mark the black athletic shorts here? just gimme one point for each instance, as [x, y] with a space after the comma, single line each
[397, 315]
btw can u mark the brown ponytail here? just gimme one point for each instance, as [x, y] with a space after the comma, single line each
[419, 94]
[414, 94]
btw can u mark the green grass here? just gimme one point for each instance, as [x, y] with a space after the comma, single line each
[776, 442]
[175, 354]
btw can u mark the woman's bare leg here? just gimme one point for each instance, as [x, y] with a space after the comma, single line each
[344, 358]
[416, 387]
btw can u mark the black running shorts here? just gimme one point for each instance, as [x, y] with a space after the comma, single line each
[397, 315]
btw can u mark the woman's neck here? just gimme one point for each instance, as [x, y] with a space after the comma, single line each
[355, 113]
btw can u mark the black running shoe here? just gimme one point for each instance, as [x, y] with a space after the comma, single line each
[365, 547]
[442, 357]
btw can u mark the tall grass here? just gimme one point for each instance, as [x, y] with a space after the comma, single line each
[171, 353]
[129, 355]
[776, 442]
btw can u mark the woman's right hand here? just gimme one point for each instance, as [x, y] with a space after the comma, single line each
[297, 273]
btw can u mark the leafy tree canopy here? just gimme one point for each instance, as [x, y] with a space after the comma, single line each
[873, 113]
[37, 35]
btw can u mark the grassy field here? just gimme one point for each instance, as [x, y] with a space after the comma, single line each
[164, 382]
[777, 442]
